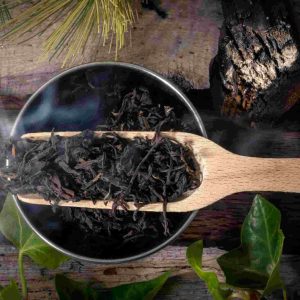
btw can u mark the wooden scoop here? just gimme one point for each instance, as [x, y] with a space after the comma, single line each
[223, 172]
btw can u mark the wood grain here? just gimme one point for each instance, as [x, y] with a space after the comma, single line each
[256, 74]
[183, 283]
[185, 42]
[223, 173]
[218, 224]
[41, 282]
[191, 24]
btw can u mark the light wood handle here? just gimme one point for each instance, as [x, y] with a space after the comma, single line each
[266, 174]
[223, 174]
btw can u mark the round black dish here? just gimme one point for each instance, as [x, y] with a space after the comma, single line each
[78, 99]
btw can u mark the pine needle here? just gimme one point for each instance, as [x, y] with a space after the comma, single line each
[80, 20]
[4, 12]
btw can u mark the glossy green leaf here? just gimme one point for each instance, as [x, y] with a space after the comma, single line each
[10, 292]
[255, 264]
[145, 290]
[194, 256]
[275, 282]
[16, 230]
[68, 289]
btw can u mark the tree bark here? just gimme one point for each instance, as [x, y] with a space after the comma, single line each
[256, 74]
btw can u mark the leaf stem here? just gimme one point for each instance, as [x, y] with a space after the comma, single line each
[22, 275]
[284, 293]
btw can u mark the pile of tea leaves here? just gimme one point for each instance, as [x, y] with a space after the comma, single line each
[137, 112]
[87, 166]
[108, 167]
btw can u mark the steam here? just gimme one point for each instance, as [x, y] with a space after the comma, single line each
[7, 118]
[50, 113]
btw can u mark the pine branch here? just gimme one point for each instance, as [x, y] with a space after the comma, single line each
[80, 20]
[4, 12]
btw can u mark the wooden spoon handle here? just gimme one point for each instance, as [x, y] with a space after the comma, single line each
[223, 172]
[266, 174]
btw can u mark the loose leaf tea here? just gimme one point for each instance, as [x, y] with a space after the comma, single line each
[88, 167]
[137, 112]
[108, 167]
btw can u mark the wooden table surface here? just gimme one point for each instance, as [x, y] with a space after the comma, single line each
[183, 43]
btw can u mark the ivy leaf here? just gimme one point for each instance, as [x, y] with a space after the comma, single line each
[145, 290]
[68, 289]
[194, 256]
[255, 264]
[10, 292]
[16, 230]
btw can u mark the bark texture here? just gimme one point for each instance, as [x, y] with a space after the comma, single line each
[256, 73]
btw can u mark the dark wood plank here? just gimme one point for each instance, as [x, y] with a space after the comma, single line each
[41, 283]
[192, 23]
[164, 45]
[183, 284]
[220, 223]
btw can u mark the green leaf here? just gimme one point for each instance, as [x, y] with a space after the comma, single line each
[275, 282]
[255, 264]
[145, 290]
[10, 292]
[194, 256]
[16, 230]
[68, 289]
